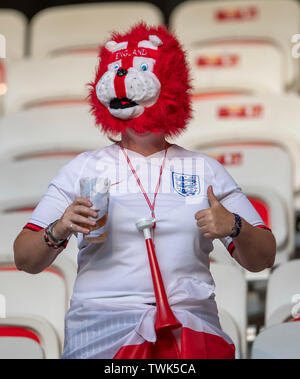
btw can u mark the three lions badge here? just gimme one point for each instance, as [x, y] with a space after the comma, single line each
[185, 184]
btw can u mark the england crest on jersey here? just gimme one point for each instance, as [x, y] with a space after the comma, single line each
[185, 184]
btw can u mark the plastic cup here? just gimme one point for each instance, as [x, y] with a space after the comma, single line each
[97, 191]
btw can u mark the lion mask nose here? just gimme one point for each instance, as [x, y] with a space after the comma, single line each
[122, 72]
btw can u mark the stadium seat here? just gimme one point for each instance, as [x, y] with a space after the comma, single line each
[48, 82]
[277, 117]
[283, 285]
[278, 342]
[236, 66]
[197, 22]
[231, 298]
[27, 338]
[43, 295]
[82, 28]
[19, 348]
[26, 181]
[13, 25]
[3, 84]
[48, 131]
[229, 326]
[65, 264]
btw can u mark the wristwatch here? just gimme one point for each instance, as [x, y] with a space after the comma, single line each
[236, 229]
[50, 240]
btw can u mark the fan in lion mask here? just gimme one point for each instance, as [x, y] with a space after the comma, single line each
[142, 83]
[131, 299]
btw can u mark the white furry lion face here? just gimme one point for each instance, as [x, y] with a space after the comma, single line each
[129, 84]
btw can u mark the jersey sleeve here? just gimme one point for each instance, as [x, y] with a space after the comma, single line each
[232, 198]
[61, 192]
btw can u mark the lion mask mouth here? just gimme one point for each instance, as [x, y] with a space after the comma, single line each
[122, 103]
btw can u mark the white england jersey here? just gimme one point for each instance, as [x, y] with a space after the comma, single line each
[115, 275]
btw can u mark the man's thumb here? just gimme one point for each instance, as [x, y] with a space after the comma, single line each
[211, 196]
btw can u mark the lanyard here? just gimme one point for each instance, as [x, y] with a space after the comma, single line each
[151, 205]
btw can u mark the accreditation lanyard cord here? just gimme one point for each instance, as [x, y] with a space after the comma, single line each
[151, 205]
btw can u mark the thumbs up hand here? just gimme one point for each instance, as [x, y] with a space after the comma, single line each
[216, 221]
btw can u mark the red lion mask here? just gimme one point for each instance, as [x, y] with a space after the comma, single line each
[141, 83]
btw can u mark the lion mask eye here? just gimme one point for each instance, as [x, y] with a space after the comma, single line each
[144, 67]
[114, 66]
[143, 64]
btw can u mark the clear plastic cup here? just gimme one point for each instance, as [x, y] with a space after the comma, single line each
[97, 191]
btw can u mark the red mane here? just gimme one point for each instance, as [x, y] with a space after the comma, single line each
[173, 108]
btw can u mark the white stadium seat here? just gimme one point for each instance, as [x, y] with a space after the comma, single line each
[57, 280]
[268, 117]
[66, 263]
[33, 294]
[82, 28]
[20, 348]
[13, 29]
[230, 327]
[26, 181]
[13, 25]
[278, 342]
[43, 295]
[283, 286]
[49, 130]
[45, 82]
[219, 67]
[276, 21]
[231, 298]
[28, 338]
[3, 84]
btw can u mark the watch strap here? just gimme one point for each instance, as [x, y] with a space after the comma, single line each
[49, 231]
[236, 229]
[50, 240]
